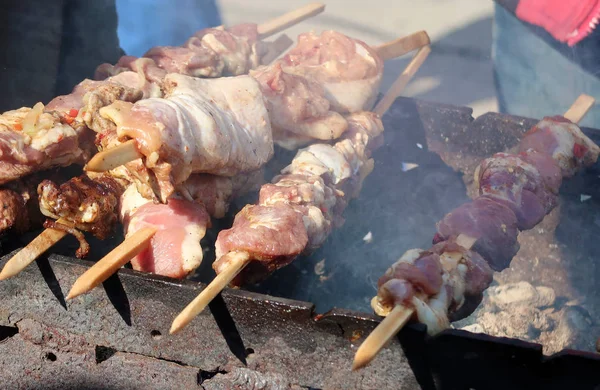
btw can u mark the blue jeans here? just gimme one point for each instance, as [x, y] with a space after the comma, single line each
[532, 78]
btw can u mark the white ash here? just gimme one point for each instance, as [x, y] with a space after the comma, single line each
[245, 378]
[574, 322]
[532, 313]
[409, 166]
[473, 328]
[320, 267]
[521, 293]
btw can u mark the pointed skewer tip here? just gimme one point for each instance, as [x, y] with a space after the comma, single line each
[236, 261]
[113, 261]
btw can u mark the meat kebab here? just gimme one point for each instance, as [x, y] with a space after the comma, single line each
[296, 213]
[58, 134]
[131, 80]
[300, 108]
[138, 172]
[515, 192]
[127, 250]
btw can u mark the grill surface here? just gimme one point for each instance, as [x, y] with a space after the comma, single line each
[117, 337]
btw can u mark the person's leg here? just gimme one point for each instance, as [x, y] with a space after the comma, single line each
[532, 79]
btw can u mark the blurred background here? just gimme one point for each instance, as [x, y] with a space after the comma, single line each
[459, 69]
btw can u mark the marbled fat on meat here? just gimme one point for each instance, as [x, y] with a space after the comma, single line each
[217, 126]
[212, 52]
[300, 208]
[175, 249]
[349, 70]
[297, 105]
[510, 180]
[564, 141]
[268, 233]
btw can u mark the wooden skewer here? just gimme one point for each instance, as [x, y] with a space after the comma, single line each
[401, 46]
[281, 44]
[579, 108]
[111, 263]
[282, 22]
[381, 335]
[114, 157]
[401, 82]
[32, 251]
[286, 20]
[400, 315]
[236, 262]
[239, 260]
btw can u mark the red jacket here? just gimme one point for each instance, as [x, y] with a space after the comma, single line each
[568, 21]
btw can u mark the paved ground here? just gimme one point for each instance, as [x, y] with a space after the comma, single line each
[459, 69]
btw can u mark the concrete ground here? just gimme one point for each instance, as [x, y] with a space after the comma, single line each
[458, 71]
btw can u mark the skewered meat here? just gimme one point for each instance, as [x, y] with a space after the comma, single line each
[515, 191]
[59, 137]
[32, 140]
[562, 140]
[89, 204]
[512, 181]
[145, 67]
[277, 230]
[296, 213]
[453, 275]
[349, 70]
[217, 126]
[298, 105]
[491, 223]
[19, 200]
[39, 138]
[175, 249]
[212, 52]
[320, 78]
